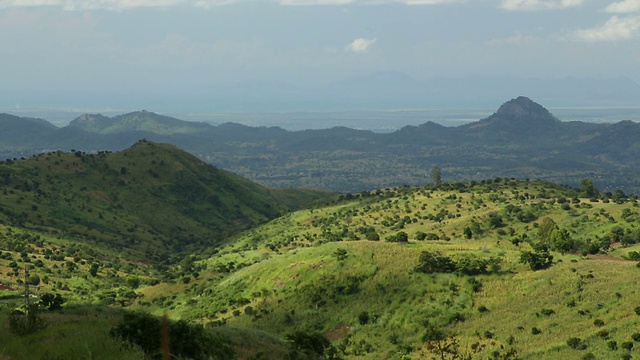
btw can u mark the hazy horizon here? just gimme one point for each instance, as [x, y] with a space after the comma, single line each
[310, 55]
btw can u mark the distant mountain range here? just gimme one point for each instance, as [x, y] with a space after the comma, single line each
[521, 139]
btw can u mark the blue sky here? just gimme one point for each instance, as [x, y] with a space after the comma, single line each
[157, 46]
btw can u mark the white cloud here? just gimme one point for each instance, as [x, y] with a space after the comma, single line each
[360, 45]
[614, 29]
[625, 6]
[532, 5]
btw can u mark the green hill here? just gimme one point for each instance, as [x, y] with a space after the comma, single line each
[397, 273]
[314, 271]
[152, 201]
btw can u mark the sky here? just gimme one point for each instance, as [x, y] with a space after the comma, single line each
[69, 50]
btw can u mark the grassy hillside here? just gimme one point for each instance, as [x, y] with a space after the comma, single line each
[314, 270]
[359, 270]
[151, 201]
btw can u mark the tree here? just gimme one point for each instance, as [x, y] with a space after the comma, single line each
[538, 260]
[401, 237]
[561, 240]
[587, 188]
[311, 345]
[546, 227]
[340, 254]
[52, 302]
[436, 175]
[434, 262]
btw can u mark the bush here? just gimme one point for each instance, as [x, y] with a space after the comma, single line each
[363, 318]
[186, 340]
[434, 262]
[537, 260]
[52, 302]
[21, 323]
[309, 344]
[598, 322]
[399, 237]
[576, 343]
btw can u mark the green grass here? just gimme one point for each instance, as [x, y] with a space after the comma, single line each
[312, 270]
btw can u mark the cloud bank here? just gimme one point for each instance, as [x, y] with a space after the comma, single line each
[625, 6]
[535, 5]
[614, 29]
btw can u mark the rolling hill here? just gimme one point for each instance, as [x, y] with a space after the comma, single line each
[153, 200]
[357, 269]
[521, 139]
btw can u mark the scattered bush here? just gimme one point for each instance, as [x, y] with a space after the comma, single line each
[576, 343]
[186, 340]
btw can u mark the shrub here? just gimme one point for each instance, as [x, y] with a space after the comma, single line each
[186, 340]
[598, 322]
[309, 344]
[363, 318]
[434, 262]
[537, 260]
[627, 345]
[26, 323]
[612, 345]
[576, 343]
[535, 331]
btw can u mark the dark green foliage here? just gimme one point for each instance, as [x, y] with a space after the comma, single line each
[627, 345]
[340, 254]
[576, 343]
[535, 331]
[476, 285]
[186, 340]
[470, 265]
[52, 302]
[27, 322]
[308, 345]
[434, 262]
[400, 237]
[636, 337]
[612, 345]
[363, 318]
[537, 260]
[598, 322]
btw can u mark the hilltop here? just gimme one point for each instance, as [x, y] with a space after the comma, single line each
[521, 139]
[144, 121]
[152, 200]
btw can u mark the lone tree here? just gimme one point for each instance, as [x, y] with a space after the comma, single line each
[436, 175]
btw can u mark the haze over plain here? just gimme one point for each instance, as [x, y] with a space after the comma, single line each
[188, 56]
